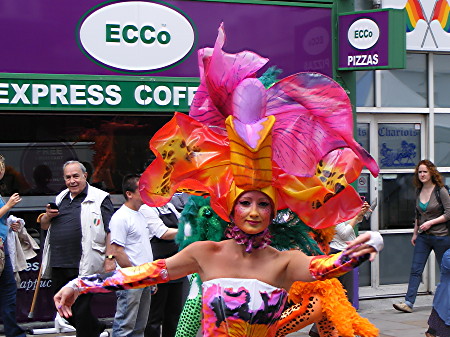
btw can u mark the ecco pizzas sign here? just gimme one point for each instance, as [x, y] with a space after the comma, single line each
[136, 36]
[372, 40]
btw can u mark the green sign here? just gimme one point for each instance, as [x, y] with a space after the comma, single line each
[102, 93]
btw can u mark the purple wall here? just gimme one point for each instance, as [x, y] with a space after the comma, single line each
[40, 36]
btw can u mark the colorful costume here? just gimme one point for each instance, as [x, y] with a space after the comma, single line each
[292, 141]
[321, 302]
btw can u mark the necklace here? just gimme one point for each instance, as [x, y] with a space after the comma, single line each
[251, 241]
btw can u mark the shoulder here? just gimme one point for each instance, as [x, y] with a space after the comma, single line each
[208, 248]
[173, 209]
[97, 192]
[149, 212]
[444, 193]
[121, 214]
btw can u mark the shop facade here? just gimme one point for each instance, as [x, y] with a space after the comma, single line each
[403, 117]
[94, 81]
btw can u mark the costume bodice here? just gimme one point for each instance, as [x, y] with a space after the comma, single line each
[241, 308]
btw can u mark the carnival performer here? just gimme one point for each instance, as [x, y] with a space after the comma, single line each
[322, 302]
[253, 151]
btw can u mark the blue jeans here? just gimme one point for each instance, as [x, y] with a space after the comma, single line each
[132, 310]
[424, 244]
[8, 291]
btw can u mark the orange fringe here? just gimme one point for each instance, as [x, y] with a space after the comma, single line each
[336, 306]
[323, 236]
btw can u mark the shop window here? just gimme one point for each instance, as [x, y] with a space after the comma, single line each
[442, 139]
[396, 259]
[397, 195]
[399, 145]
[362, 136]
[406, 87]
[365, 89]
[37, 146]
[441, 80]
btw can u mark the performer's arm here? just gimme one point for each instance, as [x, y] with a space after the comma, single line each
[324, 267]
[363, 248]
[159, 271]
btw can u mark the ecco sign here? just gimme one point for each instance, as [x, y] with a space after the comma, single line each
[363, 34]
[136, 36]
[373, 39]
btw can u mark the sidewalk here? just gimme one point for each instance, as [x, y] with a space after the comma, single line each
[390, 322]
[380, 312]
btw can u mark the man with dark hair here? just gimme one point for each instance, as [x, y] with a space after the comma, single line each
[130, 239]
[77, 241]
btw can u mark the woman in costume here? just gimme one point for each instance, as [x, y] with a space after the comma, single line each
[254, 151]
[323, 302]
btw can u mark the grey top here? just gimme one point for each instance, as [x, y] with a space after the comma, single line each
[433, 211]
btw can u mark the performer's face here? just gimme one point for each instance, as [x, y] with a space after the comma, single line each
[252, 212]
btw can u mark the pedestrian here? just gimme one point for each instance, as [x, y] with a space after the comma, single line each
[77, 241]
[131, 246]
[439, 320]
[430, 228]
[167, 302]
[130, 239]
[345, 232]
[8, 286]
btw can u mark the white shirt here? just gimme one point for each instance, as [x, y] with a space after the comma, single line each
[130, 230]
[156, 225]
[344, 232]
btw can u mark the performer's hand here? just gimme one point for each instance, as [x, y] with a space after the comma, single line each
[64, 300]
[359, 247]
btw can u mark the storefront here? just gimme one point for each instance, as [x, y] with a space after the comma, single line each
[93, 82]
[403, 117]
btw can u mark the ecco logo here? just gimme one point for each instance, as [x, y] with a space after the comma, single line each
[363, 34]
[132, 34]
[136, 35]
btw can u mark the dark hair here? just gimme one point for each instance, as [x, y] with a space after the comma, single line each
[130, 183]
[436, 177]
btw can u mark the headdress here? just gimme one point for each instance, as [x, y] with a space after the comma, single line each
[292, 141]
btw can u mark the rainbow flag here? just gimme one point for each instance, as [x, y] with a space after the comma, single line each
[441, 12]
[415, 13]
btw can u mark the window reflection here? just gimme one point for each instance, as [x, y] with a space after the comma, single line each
[441, 80]
[442, 139]
[110, 147]
[365, 88]
[406, 87]
[363, 137]
[397, 195]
